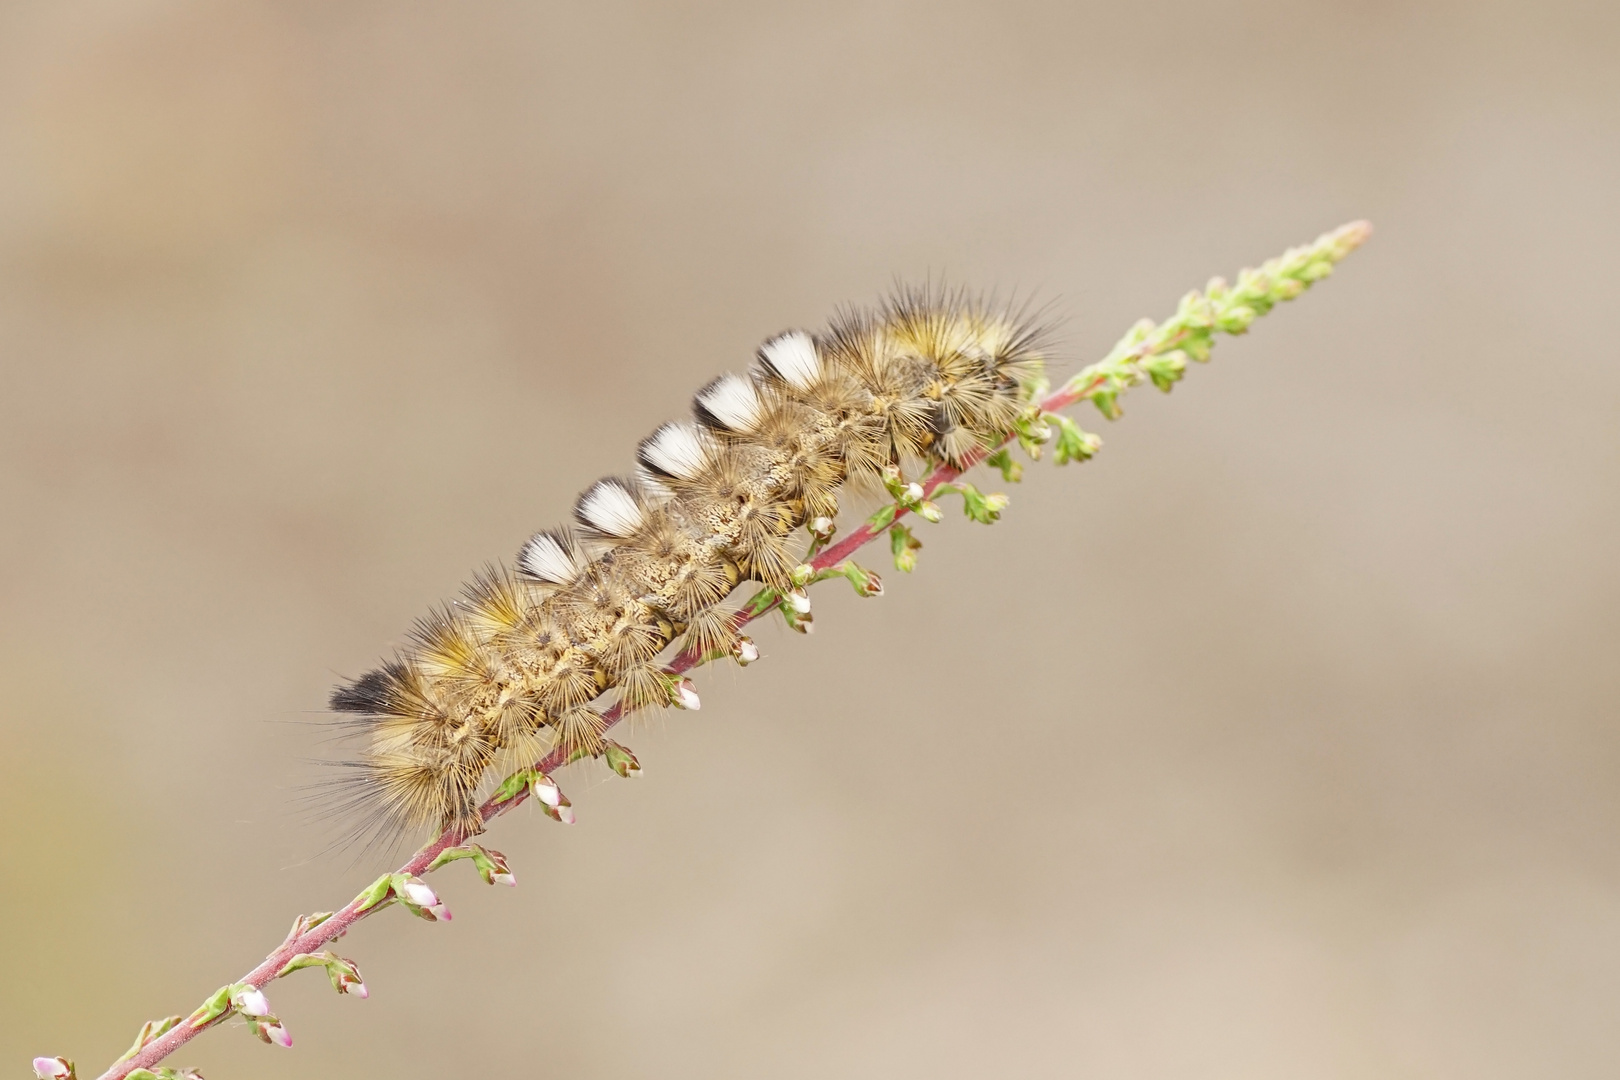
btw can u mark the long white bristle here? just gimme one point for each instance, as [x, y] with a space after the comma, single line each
[547, 558]
[654, 488]
[731, 402]
[793, 357]
[679, 450]
[609, 508]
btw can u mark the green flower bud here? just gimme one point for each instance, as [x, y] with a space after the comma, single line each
[865, 582]
[1316, 271]
[621, 760]
[904, 547]
[1011, 471]
[985, 509]
[1236, 320]
[1074, 444]
[1166, 369]
[893, 482]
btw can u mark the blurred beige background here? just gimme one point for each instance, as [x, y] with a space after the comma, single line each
[1278, 742]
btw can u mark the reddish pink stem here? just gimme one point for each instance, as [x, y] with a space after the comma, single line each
[319, 936]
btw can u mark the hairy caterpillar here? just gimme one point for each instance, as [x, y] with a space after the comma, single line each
[525, 658]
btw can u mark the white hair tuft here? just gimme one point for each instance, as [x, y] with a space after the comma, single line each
[610, 508]
[678, 450]
[549, 557]
[655, 490]
[793, 358]
[730, 402]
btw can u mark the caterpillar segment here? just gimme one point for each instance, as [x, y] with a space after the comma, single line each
[528, 659]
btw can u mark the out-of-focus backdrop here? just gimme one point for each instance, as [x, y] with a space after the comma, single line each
[1280, 741]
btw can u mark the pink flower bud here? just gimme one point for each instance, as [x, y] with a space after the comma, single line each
[271, 1031]
[440, 912]
[494, 869]
[52, 1068]
[686, 696]
[565, 814]
[250, 1001]
[346, 978]
[417, 892]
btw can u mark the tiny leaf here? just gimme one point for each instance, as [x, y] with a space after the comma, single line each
[376, 892]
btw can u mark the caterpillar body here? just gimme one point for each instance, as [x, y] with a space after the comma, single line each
[527, 658]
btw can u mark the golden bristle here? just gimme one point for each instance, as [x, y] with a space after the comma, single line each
[764, 551]
[643, 686]
[629, 643]
[497, 603]
[447, 647]
[571, 683]
[580, 731]
[712, 632]
[699, 582]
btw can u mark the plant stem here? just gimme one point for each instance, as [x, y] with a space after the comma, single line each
[1219, 308]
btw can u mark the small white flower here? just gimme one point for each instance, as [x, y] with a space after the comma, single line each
[914, 493]
[359, 990]
[686, 696]
[503, 879]
[800, 601]
[822, 527]
[545, 789]
[565, 814]
[252, 1002]
[52, 1068]
[747, 651]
